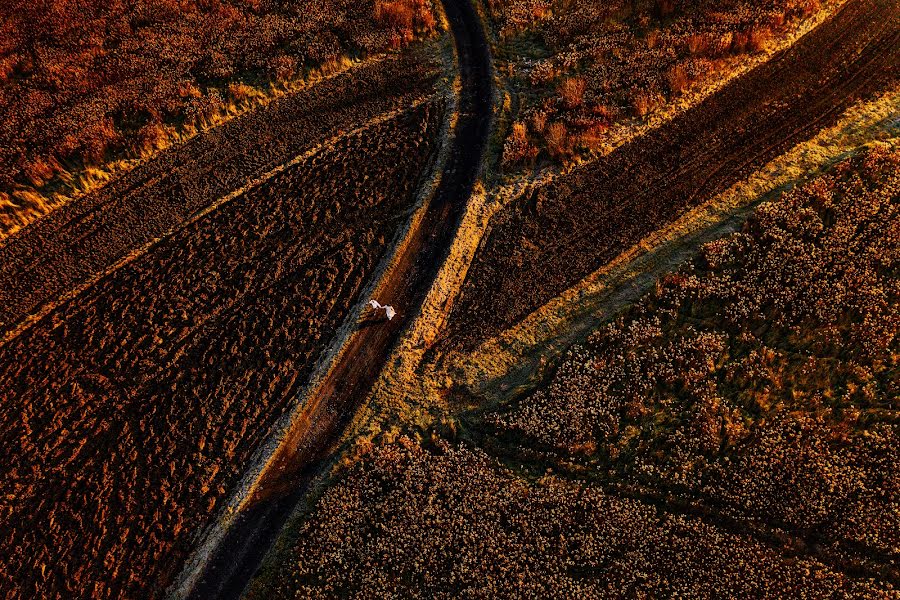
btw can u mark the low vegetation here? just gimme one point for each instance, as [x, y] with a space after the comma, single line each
[166, 298]
[762, 378]
[799, 311]
[731, 434]
[577, 68]
[452, 522]
[79, 241]
[86, 84]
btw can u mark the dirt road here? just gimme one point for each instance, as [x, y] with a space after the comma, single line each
[129, 414]
[547, 241]
[313, 432]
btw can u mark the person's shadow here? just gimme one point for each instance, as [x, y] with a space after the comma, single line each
[371, 318]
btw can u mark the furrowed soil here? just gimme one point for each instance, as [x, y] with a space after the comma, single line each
[129, 411]
[77, 242]
[548, 240]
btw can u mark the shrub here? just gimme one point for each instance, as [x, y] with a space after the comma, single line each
[760, 39]
[571, 90]
[558, 142]
[599, 53]
[644, 102]
[678, 79]
[518, 149]
[81, 79]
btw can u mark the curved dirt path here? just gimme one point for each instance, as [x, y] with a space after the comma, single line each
[545, 242]
[312, 433]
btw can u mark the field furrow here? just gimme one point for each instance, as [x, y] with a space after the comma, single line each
[546, 241]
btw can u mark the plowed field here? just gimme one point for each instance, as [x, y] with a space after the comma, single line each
[72, 244]
[130, 411]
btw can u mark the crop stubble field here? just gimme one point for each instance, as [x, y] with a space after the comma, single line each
[132, 408]
[550, 238]
[87, 87]
[758, 381]
[734, 432]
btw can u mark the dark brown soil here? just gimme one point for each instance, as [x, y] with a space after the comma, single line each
[547, 241]
[129, 412]
[85, 83]
[70, 245]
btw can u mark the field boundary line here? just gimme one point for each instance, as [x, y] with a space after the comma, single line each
[502, 365]
[487, 203]
[425, 328]
[127, 165]
[625, 133]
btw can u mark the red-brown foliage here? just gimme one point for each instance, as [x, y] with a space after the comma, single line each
[590, 216]
[571, 91]
[632, 55]
[454, 522]
[80, 79]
